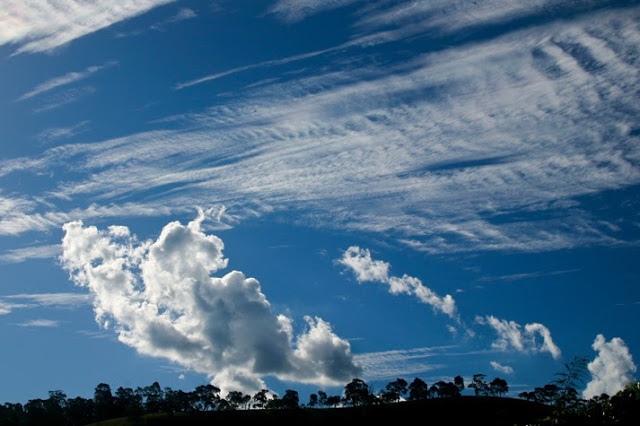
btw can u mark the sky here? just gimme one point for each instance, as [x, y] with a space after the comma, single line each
[293, 193]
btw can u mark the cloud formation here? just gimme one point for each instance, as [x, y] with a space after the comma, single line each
[495, 144]
[40, 323]
[39, 26]
[64, 80]
[36, 252]
[505, 369]
[161, 299]
[611, 370]
[511, 335]
[366, 269]
[297, 10]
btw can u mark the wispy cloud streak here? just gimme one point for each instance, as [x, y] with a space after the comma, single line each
[38, 26]
[26, 253]
[69, 78]
[491, 145]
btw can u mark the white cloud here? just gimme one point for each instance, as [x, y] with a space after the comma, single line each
[52, 299]
[65, 97]
[26, 253]
[505, 369]
[611, 370]
[55, 133]
[397, 363]
[482, 146]
[297, 10]
[7, 307]
[11, 302]
[64, 80]
[366, 269]
[40, 323]
[511, 335]
[38, 26]
[160, 298]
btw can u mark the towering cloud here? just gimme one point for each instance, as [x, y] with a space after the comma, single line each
[161, 299]
[612, 369]
[366, 269]
[512, 335]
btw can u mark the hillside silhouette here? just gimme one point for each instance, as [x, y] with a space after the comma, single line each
[557, 402]
[466, 409]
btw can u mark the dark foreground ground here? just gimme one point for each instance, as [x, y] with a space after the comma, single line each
[463, 410]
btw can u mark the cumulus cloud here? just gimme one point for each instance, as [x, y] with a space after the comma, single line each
[512, 335]
[501, 368]
[366, 269]
[612, 369]
[161, 299]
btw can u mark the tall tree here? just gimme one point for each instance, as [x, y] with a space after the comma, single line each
[322, 398]
[237, 399]
[395, 390]
[103, 402]
[356, 393]
[79, 411]
[290, 399]
[153, 398]
[418, 389]
[313, 400]
[206, 397]
[479, 384]
[570, 379]
[459, 382]
[498, 386]
[127, 402]
[260, 398]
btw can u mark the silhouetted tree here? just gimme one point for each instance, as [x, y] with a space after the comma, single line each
[127, 402]
[479, 384]
[322, 398]
[275, 403]
[237, 399]
[356, 393]
[260, 398]
[55, 407]
[445, 389]
[79, 411]
[418, 389]
[498, 387]
[313, 400]
[153, 398]
[569, 380]
[459, 382]
[290, 399]
[11, 414]
[206, 397]
[395, 390]
[177, 401]
[103, 402]
[35, 412]
[333, 400]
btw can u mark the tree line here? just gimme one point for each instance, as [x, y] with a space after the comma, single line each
[561, 394]
[58, 409]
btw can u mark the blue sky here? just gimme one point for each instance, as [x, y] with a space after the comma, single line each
[294, 193]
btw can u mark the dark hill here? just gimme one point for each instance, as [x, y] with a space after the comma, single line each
[465, 410]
